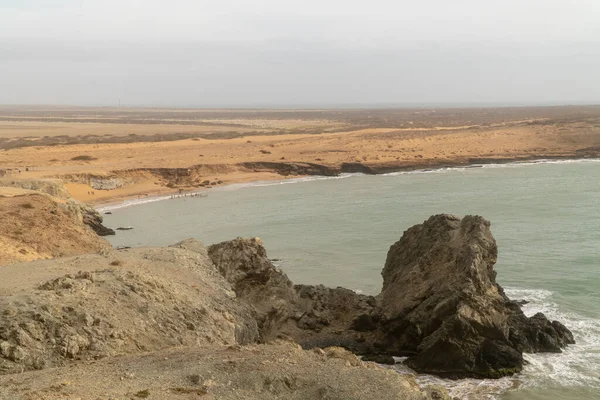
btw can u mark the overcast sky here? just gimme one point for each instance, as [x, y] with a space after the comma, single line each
[306, 53]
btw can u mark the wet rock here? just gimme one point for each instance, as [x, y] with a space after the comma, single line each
[443, 307]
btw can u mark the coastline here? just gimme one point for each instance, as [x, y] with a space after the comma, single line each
[269, 178]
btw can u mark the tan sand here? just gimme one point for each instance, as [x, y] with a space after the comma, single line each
[556, 132]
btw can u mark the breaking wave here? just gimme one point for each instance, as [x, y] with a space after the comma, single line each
[577, 366]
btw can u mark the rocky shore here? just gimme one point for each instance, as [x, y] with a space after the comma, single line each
[440, 305]
[223, 322]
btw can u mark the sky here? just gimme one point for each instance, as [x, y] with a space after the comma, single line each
[288, 53]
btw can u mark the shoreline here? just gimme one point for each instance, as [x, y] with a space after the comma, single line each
[117, 202]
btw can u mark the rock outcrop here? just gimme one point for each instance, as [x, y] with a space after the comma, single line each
[440, 304]
[314, 316]
[55, 189]
[178, 327]
[443, 308]
[255, 280]
[115, 303]
[90, 217]
[35, 225]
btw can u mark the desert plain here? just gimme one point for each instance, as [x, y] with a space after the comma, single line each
[109, 154]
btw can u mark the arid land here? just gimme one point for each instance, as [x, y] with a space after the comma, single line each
[118, 153]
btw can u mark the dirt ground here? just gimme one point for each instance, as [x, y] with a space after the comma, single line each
[40, 142]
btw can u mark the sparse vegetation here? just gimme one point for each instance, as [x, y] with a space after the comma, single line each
[83, 158]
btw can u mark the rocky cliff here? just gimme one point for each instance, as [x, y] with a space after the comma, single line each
[182, 326]
[443, 308]
[55, 189]
[440, 304]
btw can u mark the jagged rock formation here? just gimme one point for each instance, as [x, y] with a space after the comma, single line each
[314, 316]
[244, 263]
[440, 304]
[90, 217]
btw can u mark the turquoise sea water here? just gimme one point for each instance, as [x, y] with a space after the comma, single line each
[336, 231]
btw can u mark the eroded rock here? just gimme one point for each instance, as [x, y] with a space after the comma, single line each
[442, 306]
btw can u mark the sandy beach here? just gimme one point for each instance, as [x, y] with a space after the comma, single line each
[107, 155]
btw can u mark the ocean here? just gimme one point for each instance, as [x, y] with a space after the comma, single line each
[337, 230]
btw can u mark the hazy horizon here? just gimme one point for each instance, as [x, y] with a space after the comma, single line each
[308, 54]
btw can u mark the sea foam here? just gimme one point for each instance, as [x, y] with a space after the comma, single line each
[577, 366]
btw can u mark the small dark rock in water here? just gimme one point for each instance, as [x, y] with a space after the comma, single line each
[380, 359]
[124, 228]
[123, 247]
[521, 303]
[108, 213]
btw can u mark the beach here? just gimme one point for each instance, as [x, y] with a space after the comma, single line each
[107, 155]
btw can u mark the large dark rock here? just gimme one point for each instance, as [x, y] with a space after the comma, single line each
[442, 306]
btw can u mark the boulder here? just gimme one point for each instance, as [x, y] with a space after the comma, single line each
[443, 308]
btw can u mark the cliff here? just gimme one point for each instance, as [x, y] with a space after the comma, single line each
[178, 328]
[440, 304]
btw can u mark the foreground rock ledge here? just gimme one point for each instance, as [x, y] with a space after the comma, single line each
[440, 304]
[164, 323]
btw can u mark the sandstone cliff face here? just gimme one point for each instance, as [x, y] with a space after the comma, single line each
[89, 216]
[55, 189]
